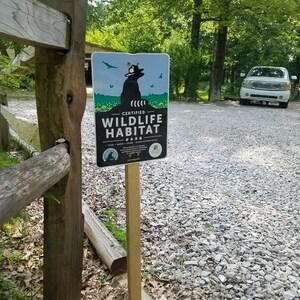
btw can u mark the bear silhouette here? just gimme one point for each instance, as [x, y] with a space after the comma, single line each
[131, 95]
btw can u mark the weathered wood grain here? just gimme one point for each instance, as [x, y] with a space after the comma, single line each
[33, 23]
[22, 184]
[107, 247]
[4, 128]
[27, 130]
[61, 99]
[133, 228]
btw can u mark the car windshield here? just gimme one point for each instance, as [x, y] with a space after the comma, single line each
[267, 72]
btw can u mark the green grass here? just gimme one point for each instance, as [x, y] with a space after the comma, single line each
[105, 103]
[203, 90]
[109, 222]
[6, 160]
[16, 146]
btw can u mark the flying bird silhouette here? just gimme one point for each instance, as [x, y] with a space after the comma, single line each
[160, 76]
[109, 66]
[152, 85]
[111, 86]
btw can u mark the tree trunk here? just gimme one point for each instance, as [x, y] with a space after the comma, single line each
[192, 79]
[218, 65]
[61, 98]
[196, 22]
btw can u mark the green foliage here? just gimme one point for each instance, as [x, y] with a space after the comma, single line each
[105, 38]
[9, 291]
[259, 33]
[265, 38]
[22, 152]
[180, 55]
[4, 44]
[11, 77]
[96, 14]
[7, 160]
[180, 260]
[16, 223]
[109, 222]
[102, 279]
[150, 271]
[203, 90]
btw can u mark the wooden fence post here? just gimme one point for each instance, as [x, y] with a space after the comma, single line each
[61, 99]
[4, 128]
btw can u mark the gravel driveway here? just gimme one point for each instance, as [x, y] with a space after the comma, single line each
[220, 214]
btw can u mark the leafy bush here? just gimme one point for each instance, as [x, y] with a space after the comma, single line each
[13, 77]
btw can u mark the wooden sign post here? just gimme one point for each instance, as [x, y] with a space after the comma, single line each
[131, 96]
[132, 178]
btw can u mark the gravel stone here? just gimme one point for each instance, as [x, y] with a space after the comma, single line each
[222, 278]
[190, 263]
[205, 273]
[269, 278]
[226, 199]
[290, 295]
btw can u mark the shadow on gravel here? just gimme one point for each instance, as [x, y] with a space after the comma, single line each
[263, 105]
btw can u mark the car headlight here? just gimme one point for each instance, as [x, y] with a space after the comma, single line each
[248, 84]
[284, 86]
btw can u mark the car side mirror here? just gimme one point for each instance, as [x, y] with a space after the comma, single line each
[242, 75]
[293, 77]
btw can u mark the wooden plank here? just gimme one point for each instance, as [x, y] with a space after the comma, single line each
[133, 224]
[24, 183]
[107, 247]
[15, 136]
[33, 23]
[4, 128]
[61, 99]
[27, 130]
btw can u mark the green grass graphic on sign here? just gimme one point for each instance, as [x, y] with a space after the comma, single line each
[105, 103]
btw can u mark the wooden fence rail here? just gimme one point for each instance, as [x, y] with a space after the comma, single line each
[26, 130]
[34, 23]
[27, 181]
[107, 247]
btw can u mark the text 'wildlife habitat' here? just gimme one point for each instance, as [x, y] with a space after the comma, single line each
[131, 96]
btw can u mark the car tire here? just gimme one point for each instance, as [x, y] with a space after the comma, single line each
[244, 101]
[283, 104]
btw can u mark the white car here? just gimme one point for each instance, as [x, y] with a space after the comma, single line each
[267, 84]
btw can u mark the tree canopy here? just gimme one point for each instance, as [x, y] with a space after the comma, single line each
[257, 33]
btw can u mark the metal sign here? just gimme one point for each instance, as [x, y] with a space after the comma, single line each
[131, 96]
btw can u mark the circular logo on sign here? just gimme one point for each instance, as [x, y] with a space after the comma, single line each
[155, 150]
[110, 154]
